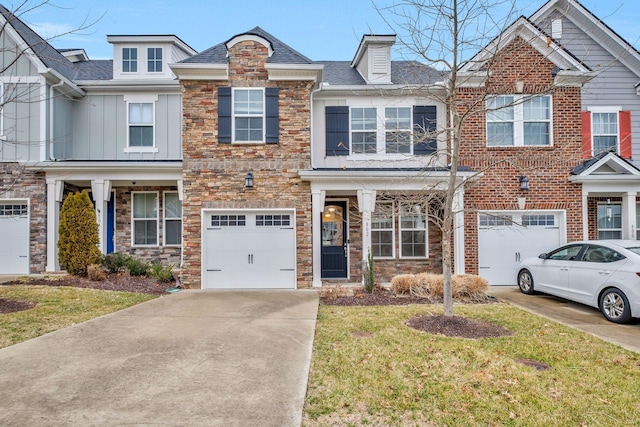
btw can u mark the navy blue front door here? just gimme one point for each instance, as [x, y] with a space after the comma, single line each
[334, 240]
[111, 223]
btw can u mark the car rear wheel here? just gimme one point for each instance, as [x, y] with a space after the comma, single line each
[525, 282]
[614, 305]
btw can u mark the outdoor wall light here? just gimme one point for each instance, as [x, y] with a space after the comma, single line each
[248, 180]
[524, 183]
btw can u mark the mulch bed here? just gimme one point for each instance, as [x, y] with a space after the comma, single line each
[13, 305]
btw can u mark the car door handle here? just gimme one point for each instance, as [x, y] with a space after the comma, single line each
[564, 268]
[603, 272]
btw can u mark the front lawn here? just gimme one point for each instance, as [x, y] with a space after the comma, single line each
[57, 307]
[368, 368]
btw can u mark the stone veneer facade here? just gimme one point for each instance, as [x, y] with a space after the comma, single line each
[213, 173]
[548, 168]
[18, 183]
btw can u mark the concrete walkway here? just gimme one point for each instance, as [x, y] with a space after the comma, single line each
[196, 358]
[582, 317]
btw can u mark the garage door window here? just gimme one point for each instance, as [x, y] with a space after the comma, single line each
[13, 210]
[486, 220]
[228, 220]
[540, 220]
[273, 220]
[145, 219]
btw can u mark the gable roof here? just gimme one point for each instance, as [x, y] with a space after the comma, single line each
[617, 46]
[538, 39]
[605, 165]
[49, 56]
[282, 53]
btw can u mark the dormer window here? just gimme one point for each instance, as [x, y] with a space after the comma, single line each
[129, 60]
[154, 59]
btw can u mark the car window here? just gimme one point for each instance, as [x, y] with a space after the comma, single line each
[566, 254]
[601, 254]
[635, 249]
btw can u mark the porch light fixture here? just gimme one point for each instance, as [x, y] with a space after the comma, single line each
[524, 183]
[248, 180]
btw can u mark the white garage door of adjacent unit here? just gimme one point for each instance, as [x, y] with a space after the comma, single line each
[506, 238]
[249, 250]
[14, 238]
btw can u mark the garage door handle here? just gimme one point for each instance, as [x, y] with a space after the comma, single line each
[286, 269]
[250, 259]
[23, 256]
[214, 270]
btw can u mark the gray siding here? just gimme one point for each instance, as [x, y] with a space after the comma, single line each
[10, 66]
[100, 129]
[615, 83]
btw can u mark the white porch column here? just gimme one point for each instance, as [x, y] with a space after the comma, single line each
[458, 232]
[629, 215]
[317, 207]
[585, 213]
[366, 205]
[101, 190]
[54, 197]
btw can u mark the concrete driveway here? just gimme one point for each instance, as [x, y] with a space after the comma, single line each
[582, 317]
[196, 358]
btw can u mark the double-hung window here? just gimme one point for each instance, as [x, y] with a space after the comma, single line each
[172, 219]
[605, 132]
[364, 131]
[413, 230]
[141, 123]
[382, 230]
[519, 120]
[609, 221]
[154, 59]
[129, 60]
[397, 126]
[145, 219]
[248, 113]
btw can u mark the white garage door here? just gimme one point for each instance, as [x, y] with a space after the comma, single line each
[14, 237]
[249, 250]
[506, 238]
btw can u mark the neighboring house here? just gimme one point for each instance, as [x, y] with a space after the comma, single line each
[112, 128]
[250, 165]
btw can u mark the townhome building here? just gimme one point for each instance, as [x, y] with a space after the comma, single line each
[250, 165]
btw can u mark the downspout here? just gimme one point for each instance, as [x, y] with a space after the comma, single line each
[313, 92]
[51, 117]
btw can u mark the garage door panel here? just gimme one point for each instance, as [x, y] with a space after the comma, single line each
[259, 253]
[14, 238]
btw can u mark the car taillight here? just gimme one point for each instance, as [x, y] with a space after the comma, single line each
[638, 273]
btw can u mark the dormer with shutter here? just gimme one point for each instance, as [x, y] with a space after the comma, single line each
[373, 58]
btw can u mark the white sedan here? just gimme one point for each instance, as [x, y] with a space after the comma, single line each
[604, 274]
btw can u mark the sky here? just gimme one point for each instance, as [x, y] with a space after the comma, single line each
[319, 29]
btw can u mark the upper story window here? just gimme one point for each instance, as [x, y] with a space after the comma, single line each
[380, 130]
[606, 129]
[141, 123]
[154, 59]
[248, 115]
[605, 132]
[519, 120]
[129, 60]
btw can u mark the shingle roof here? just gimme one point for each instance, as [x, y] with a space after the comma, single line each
[282, 53]
[47, 54]
[402, 72]
[98, 69]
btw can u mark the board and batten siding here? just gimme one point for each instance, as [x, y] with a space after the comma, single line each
[100, 129]
[615, 83]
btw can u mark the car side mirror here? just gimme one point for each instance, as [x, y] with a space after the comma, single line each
[543, 255]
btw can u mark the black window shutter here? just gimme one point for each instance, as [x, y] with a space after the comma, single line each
[272, 117]
[337, 131]
[224, 115]
[424, 121]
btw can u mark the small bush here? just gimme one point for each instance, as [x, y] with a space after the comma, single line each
[160, 273]
[135, 267]
[429, 285]
[96, 273]
[115, 262]
[401, 284]
[78, 234]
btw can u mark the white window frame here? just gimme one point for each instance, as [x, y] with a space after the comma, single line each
[425, 218]
[392, 229]
[605, 110]
[141, 99]
[155, 60]
[262, 115]
[615, 230]
[353, 131]
[130, 61]
[166, 218]
[518, 120]
[2, 134]
[134, 219]
[408, 130]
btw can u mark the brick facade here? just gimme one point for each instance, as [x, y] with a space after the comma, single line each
[18, 183]
[213, 172]
[547, 168]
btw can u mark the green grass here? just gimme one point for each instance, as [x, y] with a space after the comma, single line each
[58, 307]
[400, 376]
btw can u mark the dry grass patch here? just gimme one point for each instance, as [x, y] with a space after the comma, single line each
[431, 286]
[398, 376]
